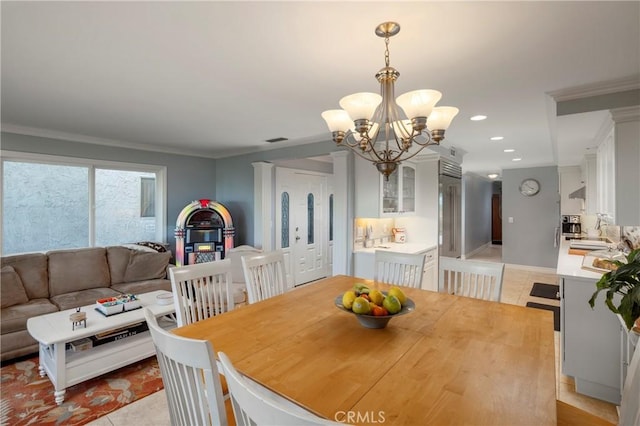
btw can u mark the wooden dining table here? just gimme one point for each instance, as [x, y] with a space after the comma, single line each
[452, 361]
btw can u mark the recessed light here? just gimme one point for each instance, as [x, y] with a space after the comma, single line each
[497, 138]
[478, 117]
[492, 175]
[509, 150]
[517, 159]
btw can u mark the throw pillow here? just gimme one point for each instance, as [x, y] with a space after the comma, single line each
[12, 290]
[146, 266]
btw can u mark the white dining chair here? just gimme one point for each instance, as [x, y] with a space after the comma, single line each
[265, 275]
[402, 269]
[201, 290]
[237, 273]
[630, 404]
[253, 406]
[480, 280]
[190, 376]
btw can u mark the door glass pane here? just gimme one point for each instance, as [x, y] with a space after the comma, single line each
[331, 217]
[45, 207]
[390, 193]
[408, 189]
[310, 218]
[117, 213]
[284, 226]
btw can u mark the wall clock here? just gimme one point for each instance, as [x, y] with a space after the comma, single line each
[529, 187]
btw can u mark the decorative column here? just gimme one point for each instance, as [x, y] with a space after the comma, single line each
[263, 213]
[343, 183]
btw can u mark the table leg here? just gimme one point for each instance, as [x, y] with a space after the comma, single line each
[59, 396]
[41, 360]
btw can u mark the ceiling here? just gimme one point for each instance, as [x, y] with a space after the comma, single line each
[219, 78]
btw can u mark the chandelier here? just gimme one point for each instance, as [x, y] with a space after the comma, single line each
[373, 125]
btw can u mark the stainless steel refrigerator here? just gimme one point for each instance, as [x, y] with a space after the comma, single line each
[450, 209]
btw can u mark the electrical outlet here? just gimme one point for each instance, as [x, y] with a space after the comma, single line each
[510, 220]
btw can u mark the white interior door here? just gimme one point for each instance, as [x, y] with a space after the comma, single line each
[301, 223]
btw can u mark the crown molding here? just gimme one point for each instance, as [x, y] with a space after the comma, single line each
[623, 84]
[621, 115]
[73, 137]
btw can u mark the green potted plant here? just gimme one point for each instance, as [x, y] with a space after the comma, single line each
[625, 281]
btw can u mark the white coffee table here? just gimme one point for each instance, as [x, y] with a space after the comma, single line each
[66, 368]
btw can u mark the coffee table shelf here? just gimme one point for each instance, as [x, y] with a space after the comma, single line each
[65, 367]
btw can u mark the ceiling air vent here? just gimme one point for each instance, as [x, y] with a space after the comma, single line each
[276, 140]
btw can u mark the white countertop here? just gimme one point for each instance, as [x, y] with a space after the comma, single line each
[410, 248]
[570, 265]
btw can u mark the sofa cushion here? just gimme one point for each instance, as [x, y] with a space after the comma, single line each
[17, 344]
[146, 266]
[76, 299]
[12, 292]
[32, 269]
[77, 269]
[118, 258]
[14, 318]
[145, 286]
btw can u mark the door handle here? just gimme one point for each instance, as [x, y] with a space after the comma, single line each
[297, 238]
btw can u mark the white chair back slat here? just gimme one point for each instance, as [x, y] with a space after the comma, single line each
[480, 280]
[190, 376]
[265, 275]
[399, 268]
[253, 406]
[201, 290]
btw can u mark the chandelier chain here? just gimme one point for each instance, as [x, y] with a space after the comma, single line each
[386, 51]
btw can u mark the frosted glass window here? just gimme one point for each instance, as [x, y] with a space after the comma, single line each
[117, 212]
[310, 207]
[51, 202]
[284, 201]
[44, 207]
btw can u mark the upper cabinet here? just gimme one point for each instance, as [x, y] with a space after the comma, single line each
[590, 182]
[399, 192]
[376, 197]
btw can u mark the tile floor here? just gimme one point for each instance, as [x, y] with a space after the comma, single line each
[517, 284]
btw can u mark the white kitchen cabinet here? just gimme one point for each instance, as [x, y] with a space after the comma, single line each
[376, 197]
[606, 176]
[430, 275]
[363, 264]
[590, 340]
[590, 182]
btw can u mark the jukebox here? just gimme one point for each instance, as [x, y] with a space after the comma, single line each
[204, 232]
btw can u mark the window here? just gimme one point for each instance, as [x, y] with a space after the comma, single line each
[53, 202]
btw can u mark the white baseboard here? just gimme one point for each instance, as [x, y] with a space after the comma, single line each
[540, 269]
[476, 251]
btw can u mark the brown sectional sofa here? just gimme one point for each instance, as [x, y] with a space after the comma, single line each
[39, 283]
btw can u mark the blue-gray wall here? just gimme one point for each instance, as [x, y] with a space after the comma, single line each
[188, 178]
[477, 212]
[234, 181]
[529, 240]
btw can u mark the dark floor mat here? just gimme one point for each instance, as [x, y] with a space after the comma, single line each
[548, 291]
[555, 309]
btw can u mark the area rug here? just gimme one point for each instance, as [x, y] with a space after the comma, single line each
[27, 398]
[548, 291]
[555, 309]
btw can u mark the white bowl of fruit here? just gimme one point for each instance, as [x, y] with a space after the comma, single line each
[374, 308]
